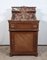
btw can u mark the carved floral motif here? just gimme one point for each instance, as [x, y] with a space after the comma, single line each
[23, 13]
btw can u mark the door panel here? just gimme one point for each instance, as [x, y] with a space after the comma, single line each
[23, 41]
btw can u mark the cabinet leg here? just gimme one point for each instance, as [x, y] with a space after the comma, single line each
[11, 54]
[36, 54]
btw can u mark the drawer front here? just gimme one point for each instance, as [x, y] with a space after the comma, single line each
[23, 26]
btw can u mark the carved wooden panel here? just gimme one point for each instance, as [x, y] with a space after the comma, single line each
[23, 13]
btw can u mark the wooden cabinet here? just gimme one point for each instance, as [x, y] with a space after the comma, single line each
[23, 28]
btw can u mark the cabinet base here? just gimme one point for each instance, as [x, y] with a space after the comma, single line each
[34, 54]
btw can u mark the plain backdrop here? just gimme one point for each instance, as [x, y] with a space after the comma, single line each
[5, 15]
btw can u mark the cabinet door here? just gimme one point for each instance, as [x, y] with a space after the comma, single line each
[23, 42]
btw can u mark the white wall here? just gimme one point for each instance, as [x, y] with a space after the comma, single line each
[5, 14]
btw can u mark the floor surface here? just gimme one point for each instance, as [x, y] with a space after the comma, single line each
[4, 54]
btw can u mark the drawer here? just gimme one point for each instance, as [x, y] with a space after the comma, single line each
[23, 25]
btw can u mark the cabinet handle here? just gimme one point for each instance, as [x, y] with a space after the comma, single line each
[34, 26]
[15, 45]
[12, 26]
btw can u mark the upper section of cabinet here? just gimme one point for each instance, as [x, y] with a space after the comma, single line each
[23, 13]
